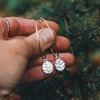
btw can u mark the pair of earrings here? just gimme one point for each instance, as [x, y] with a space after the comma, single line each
[47, 66]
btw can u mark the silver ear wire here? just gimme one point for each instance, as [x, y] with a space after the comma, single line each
[59, 63]
[47, 66]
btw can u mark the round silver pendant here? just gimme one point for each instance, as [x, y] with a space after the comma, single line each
[47, 67]
[59, 64]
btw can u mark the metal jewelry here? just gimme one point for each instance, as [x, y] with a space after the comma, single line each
[59, 63]
[47, 66]
[7, 22]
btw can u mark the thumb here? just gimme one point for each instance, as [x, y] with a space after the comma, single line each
[46, 39]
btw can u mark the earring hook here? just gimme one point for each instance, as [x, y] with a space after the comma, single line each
[37, 35]
[59, 63]
[47, 66]
[57, 54]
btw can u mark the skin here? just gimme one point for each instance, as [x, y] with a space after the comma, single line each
[19, 45]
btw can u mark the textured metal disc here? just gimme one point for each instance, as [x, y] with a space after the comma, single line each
[47, 67]
[59, 64]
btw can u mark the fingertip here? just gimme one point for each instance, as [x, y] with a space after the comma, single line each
[62, 43]
[70, 59]
[53, 25]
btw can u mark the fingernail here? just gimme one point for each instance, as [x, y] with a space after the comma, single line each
[47, 36]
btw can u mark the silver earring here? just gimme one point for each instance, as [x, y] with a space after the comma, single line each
[59, 63]
[47, 66]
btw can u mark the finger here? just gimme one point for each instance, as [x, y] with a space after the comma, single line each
[35, 73]
[62, 43]
[67, 57]
[17, 37]
[30, 47]
[21, 26]
[46, 39]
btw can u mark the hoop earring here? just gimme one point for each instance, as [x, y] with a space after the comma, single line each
[47, 66]
[59, 63]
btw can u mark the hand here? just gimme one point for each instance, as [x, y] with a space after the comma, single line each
[17, 47]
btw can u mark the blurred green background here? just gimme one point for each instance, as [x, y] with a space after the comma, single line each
[79, 21]
[19, 7]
